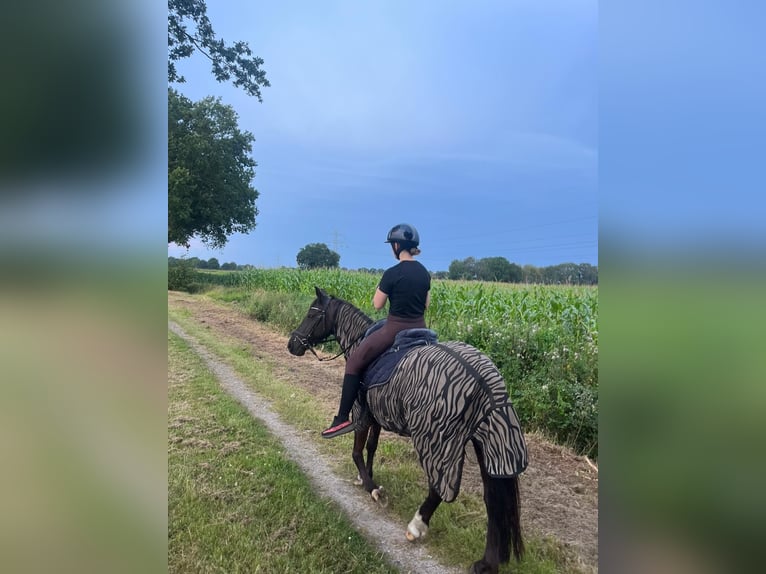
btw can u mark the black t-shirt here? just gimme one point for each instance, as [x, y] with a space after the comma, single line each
[407, 285]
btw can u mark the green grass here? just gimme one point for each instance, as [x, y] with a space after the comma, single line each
[458, 529]
[235, 502]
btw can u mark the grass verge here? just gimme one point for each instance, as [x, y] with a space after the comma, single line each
[235, 503]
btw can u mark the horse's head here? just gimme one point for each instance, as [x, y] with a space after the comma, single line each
[315, 328]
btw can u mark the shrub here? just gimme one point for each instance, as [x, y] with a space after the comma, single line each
[183, 277]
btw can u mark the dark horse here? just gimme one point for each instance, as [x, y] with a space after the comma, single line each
[443, 396]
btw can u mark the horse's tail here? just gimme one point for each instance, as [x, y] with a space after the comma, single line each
[503, 501]
[504, 510]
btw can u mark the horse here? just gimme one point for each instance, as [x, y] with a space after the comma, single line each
[442, 396]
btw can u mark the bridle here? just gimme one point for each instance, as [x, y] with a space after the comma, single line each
[332, 337]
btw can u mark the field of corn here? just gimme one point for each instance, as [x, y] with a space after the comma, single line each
[544, 339]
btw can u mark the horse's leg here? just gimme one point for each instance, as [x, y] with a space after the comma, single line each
[372, 446]
[501, 497]
[418, 526]
[376, 492]
[365, 477]
[357, 454]
[367, 434]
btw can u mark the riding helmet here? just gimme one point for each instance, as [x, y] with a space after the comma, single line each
[405, 234]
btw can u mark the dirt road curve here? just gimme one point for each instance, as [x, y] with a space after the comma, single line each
[559, 489]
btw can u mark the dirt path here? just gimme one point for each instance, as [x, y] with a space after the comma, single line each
[559, 489]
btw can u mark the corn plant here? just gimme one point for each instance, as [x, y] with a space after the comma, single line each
[544, 339]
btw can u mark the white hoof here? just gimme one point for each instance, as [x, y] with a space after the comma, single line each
[416, 528]
[358, 480]
[380, 496]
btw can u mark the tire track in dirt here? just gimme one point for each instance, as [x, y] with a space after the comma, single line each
[559, 489]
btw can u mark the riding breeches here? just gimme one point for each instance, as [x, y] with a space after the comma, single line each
[374, 345]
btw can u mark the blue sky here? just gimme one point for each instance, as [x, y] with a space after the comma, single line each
[681, 109]
[475, 122]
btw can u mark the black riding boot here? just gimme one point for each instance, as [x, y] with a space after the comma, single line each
[340, 424]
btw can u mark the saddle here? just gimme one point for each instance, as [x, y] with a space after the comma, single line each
[380, 370]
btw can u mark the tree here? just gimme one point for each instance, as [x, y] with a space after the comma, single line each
[465, 269]
[317, 255]
[532, 274]
[588, 274]
[498, 269]
[562, 274]
[209, 172]
[212, 263]
[235, 61]
[209, 169]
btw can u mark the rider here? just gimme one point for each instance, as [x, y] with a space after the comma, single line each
[407, 286]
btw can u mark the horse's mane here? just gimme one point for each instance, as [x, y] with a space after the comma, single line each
[356, 311]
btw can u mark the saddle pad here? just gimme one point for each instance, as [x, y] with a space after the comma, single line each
[381, 369]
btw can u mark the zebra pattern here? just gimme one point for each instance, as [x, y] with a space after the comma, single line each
[443, 395]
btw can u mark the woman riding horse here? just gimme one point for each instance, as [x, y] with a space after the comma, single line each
[407, 288]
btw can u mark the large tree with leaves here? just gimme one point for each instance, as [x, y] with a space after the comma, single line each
[209, 172]
[209, 163]
[317, 255]
[190, 31]
[465, 269]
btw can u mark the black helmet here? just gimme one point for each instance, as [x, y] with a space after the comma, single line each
[404, 234]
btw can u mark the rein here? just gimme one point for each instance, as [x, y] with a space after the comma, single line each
[313, 352]
[310, 346]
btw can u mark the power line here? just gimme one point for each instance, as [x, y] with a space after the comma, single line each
[336, 241]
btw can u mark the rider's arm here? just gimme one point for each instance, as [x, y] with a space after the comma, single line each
[379, 300]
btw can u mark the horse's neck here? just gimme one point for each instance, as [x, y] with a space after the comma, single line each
[350, 326]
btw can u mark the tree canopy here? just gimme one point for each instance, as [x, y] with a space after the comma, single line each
[317, 255]
[465, 269]
[209, 166]
[212, 263]
[500, 269]
[209, 172]
[229, 62]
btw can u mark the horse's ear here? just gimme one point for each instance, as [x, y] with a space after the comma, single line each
[321, 294]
